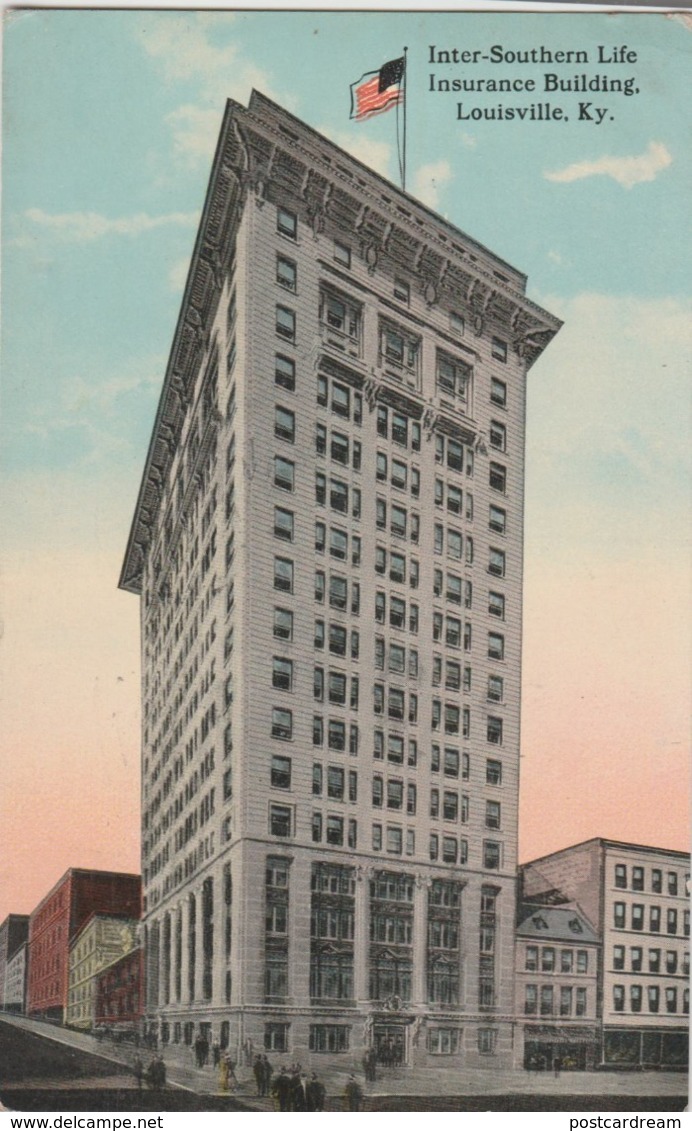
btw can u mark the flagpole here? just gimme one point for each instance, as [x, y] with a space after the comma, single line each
[403, 178]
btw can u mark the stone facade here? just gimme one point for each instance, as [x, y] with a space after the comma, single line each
[328, 549]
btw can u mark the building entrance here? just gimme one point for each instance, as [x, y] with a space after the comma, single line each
[389, 1043]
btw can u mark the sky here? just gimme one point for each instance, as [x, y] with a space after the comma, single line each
[110, 121]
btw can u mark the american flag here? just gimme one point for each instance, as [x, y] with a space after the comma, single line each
[377, 91]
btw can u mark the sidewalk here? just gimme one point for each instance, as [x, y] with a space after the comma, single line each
[182, 1072]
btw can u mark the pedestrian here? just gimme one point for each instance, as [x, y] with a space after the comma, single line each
[316, 1094]
[353, 1094]
[258, 1073]
[281, 1089]
[223, 1074]
[266, 1075]
[138, 1072]
[299, 1096]
[216, 1054]
[232, 1078]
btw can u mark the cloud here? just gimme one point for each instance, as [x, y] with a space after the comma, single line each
[177, 275]
[84, 227]
[193, 51]
[375, 154]
[429, 181]
[627, 171]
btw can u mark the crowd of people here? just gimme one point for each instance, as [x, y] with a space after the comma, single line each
[291, 1088]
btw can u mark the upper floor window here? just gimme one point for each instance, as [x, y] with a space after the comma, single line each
[453, 377]
[456, 324]
[286, 273]
[498, 435]
[286, 323]
[340, 319]
[342, 254]
[286, 223]
[399, 352]
[498, 392]
[402, 290]
[498, 349]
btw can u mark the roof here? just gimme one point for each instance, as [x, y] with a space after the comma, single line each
[561, 924]
[244, 162]
[604, 842]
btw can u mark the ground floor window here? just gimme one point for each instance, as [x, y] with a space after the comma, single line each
[329, 1038]
[444, 1042]
[487, 1041]
[276, 1036]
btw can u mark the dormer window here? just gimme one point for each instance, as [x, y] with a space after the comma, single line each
[539, 923]
[575, 925]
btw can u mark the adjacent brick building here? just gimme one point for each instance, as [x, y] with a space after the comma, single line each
[56, 920]
[119, 1002]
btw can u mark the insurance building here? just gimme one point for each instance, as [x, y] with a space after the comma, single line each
[327, 546]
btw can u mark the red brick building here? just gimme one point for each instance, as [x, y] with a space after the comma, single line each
[59, 915]
[120, 993]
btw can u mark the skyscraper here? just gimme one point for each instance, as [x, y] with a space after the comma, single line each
[328, 549]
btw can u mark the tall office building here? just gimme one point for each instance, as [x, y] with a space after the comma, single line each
[328, 549]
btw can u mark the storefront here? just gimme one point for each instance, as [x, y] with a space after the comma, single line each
[560, 1048]
[646, 1048]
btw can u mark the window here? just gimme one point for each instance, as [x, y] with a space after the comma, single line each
[498, 392]
[335, 830]
[282, 674]
[286, 273]
[339, 448]
[284, 473]
[656, 880]
[494, 731]
[654, 961]
[565, 1001]
[496, 605]
[443, 1042]
[495, 688]
[342, 254]
[492, 815]
[491, 855]
[487, 1041]
[637, 917]
[498, 349]
[619, 999]
[636, 958]
[530, 999]
[398, 355]
[283, 524]
[282, 724]
[329, 1038]
[497, 520]
[618, 914]
[671, 999]
[283, 624]
[635, 999]
[394, 840]
[655, 919]
[284, 424]
[493, 774]
[279, 820]
[496, 562]
[456, 323]
[671, 921]
[496, 646]
[453, 377]
[498, 477]
[286, 223]
[286, 323]
[402, 291]
[672, 883]
[280, 772]
[283, 574]
[618, 958]
[284, 372]
[620, 875]
[498, 435]
[449, 849]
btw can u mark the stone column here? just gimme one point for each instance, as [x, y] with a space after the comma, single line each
[361, 936]
[184, 914]
[419, 991]
[162, 962]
